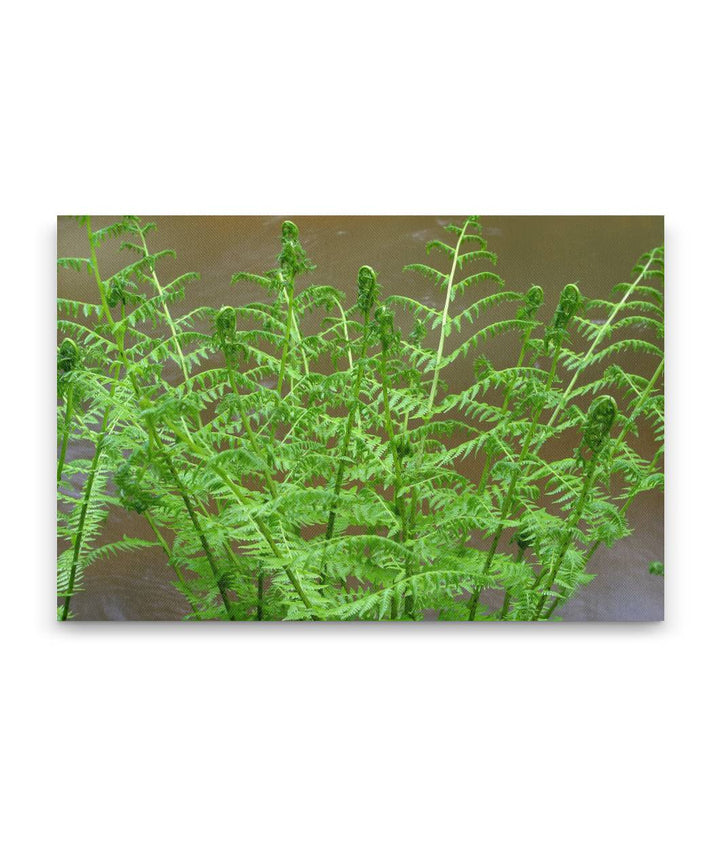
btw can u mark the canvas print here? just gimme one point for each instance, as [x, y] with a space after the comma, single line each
[360, 418]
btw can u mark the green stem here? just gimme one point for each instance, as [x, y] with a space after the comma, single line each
[171, 560]
[349, 422]
[443, 324]
[260, 525]
[120, 341]
[639, 405]
[166, 311]
[552, 607]
[66, 433]
[260, 583]
[506, 403]
[436, 373]
[222, 589]
[507, 598]
[398, 502]
[346, 331]
[570, 526]
[269, 481]
[80, 533]
[510, 495]
[596, 341]
[289, 290]
[651, 466]
[301, 348]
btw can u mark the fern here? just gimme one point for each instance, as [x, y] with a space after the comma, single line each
[291, 466]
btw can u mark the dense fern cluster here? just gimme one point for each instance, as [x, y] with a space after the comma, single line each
[290, 475]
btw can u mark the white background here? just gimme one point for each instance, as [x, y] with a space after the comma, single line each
[560, 739]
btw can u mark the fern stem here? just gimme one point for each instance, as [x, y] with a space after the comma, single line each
[510, 495]
[489, 458]
[443, 324]
[596, 341]
[289, 290]
[296, 328]
[66, 433]
[436, 372]
[566, 395]
[651, 466]
[639, 405]
[166, 311]
[260, 583]
[552, 607]
[506, 599]
[397, 605]
[628, 502]
[269, 481]
[260, 525]
[80, 533]
[120, 341]
[222, 589]
[570, 527]
[194, 520]
[346, 331]
[349, 423]
[171, 560]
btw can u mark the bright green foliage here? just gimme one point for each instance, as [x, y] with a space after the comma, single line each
[289, 475]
